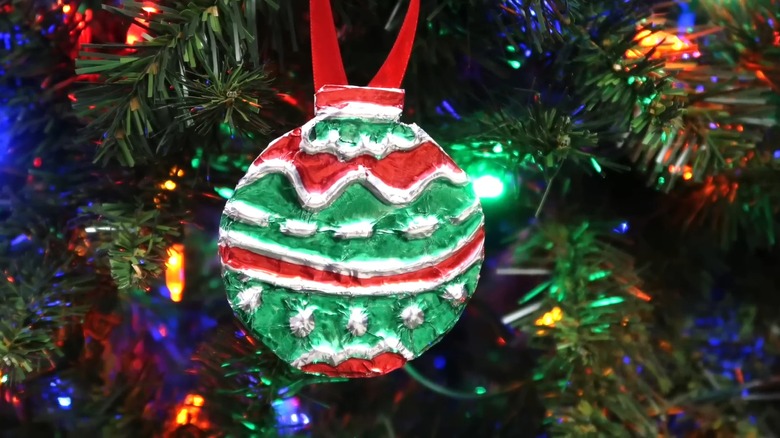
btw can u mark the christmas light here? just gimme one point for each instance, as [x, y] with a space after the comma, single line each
[550, 318]
[174, 272]
[289, 417]
[595, 164]
[64, 402]
[6, 125]
[635, 291]
[190, 411]
[488, 165]
[194, 400]
[286, 98]
[686, 171]
[607, 302]
[182, 417]
[488, 187]
[622, 228]
[135, 32]
[225, 192]
[665, 44]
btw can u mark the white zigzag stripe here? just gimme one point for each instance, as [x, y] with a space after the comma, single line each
[467, 212]
[247, 213]
[251, 215]
[357, 351]
[361, 269]
[390, 143]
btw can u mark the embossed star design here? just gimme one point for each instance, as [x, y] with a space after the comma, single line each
[250, 299]
[412, 316]
[358, 322]
[455, 294]
[302, 323]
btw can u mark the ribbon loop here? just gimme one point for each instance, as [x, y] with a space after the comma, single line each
[326, 54]
[392, 72]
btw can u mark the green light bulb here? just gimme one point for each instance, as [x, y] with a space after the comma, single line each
[225, 192]
[488, 186]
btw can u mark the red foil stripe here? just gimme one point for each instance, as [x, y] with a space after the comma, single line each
[356, 367]
[335, 96]
[239, 258]
[399, 169]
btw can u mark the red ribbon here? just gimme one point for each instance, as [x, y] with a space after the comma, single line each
[326, 55]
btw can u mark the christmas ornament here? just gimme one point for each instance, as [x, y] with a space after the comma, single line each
[353, 243]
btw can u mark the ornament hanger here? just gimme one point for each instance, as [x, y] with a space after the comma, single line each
[326, 54]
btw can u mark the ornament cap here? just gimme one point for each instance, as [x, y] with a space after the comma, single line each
[353, 101]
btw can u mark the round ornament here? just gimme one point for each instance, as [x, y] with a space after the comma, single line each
[353, 243]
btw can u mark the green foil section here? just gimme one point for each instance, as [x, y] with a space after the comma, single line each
[271, 321]
[350, 131]
[442, 200]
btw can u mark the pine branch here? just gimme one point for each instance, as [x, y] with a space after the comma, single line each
[722, 121]
[241, 379]
[190, 54]
[738, 206]
[544, 21]
[635, 92]
[716, 146]
[751, 31]
[592, 326]
[234, 101]
[45, 280]
[716, 356]
[548, 137]
[136, 241]
[606, 93]
[40, 293]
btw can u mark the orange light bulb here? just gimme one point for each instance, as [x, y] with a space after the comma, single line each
[174, 272]
[666, 44]
[550, 318]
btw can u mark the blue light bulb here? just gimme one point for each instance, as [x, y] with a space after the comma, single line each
[64, 401]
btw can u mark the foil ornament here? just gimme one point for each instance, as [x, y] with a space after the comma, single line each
[353, 243]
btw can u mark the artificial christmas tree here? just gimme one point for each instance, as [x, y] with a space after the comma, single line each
[625, 158]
